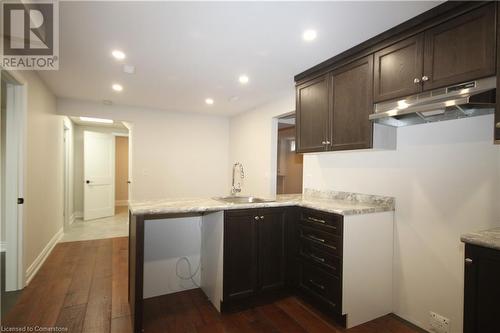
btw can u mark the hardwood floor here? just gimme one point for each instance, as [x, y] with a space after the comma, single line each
[83, 287]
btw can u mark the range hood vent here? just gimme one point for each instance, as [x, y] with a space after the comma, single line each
[469, 99]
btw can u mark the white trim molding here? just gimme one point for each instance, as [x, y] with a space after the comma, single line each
[3, 246]
[121, 203]
[38, 262]
[78, 215]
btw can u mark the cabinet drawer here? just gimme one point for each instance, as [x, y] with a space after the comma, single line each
[327, 222]
[316, 253]
[320, 284]
[331, 243]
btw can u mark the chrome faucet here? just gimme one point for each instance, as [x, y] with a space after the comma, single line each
[236, 187]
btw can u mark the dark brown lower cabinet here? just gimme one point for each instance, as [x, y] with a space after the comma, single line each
[254, 254]
[319, 260]
[482, 290]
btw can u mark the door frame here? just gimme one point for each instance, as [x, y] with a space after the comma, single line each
[15, 186]
[274, 149]
[67, 138]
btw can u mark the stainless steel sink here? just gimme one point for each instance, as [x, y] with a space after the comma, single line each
[242, 200]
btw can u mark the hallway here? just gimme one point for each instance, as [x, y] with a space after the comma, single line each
[108, 227]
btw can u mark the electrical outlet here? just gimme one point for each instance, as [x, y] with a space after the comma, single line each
[439, 324]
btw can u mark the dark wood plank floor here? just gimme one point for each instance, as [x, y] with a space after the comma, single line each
[83, 287]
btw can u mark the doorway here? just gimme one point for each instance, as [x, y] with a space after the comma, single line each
[12, 130]
[289, 163]
[100, 171]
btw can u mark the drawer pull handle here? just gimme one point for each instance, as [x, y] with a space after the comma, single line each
[468, 261]
[312, 237]
[315, 257]
[312, 219]
[317, 285]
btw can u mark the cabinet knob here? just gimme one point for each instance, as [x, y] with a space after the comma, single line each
[425, 78]
[262, 217]
[416, 80]
[256, 218]
[497, 125]
[328, 142]
[468, 261]
[323, 142]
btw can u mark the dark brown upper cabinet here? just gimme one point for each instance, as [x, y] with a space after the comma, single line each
[332, 110]
[312, 115]
[460, 50]
[450, 44]
[456, 51]
[352, 103]
[398, 69]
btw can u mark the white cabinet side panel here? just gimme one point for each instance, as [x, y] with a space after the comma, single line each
[212, 257]
[367, 266]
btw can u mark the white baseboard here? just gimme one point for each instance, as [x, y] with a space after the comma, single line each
[121, 203]
[38, 262]
[3, 246]
[78, 215]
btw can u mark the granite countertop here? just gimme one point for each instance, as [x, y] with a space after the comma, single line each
[487, 238]
[343, 203]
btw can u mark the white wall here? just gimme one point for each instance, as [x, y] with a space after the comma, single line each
[173, 154]
[446, 180]
[253, 142]
[78, 161]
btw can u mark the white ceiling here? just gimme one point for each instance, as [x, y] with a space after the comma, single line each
[186, 52]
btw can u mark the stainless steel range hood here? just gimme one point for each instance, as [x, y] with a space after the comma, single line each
[474, 98]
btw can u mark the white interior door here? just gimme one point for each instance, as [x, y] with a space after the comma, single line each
[99, 175]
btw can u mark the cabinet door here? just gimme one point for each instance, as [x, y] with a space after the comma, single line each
[272, 254]
[352, 103]
[497, 110]
[240, 254]
[398, 69]
[312, 115]
[461, 49]
[482, 290]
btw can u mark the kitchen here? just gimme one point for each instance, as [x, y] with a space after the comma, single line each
[401, 168]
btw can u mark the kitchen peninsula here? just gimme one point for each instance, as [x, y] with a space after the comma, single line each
[323, 246]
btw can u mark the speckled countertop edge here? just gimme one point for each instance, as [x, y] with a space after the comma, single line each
[343, 203]
[486, 238]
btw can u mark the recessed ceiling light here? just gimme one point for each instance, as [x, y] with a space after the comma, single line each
[117, 87]
[119, 55]
[97, 120]
[209, 101]
[309, 35]
[243, 79]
